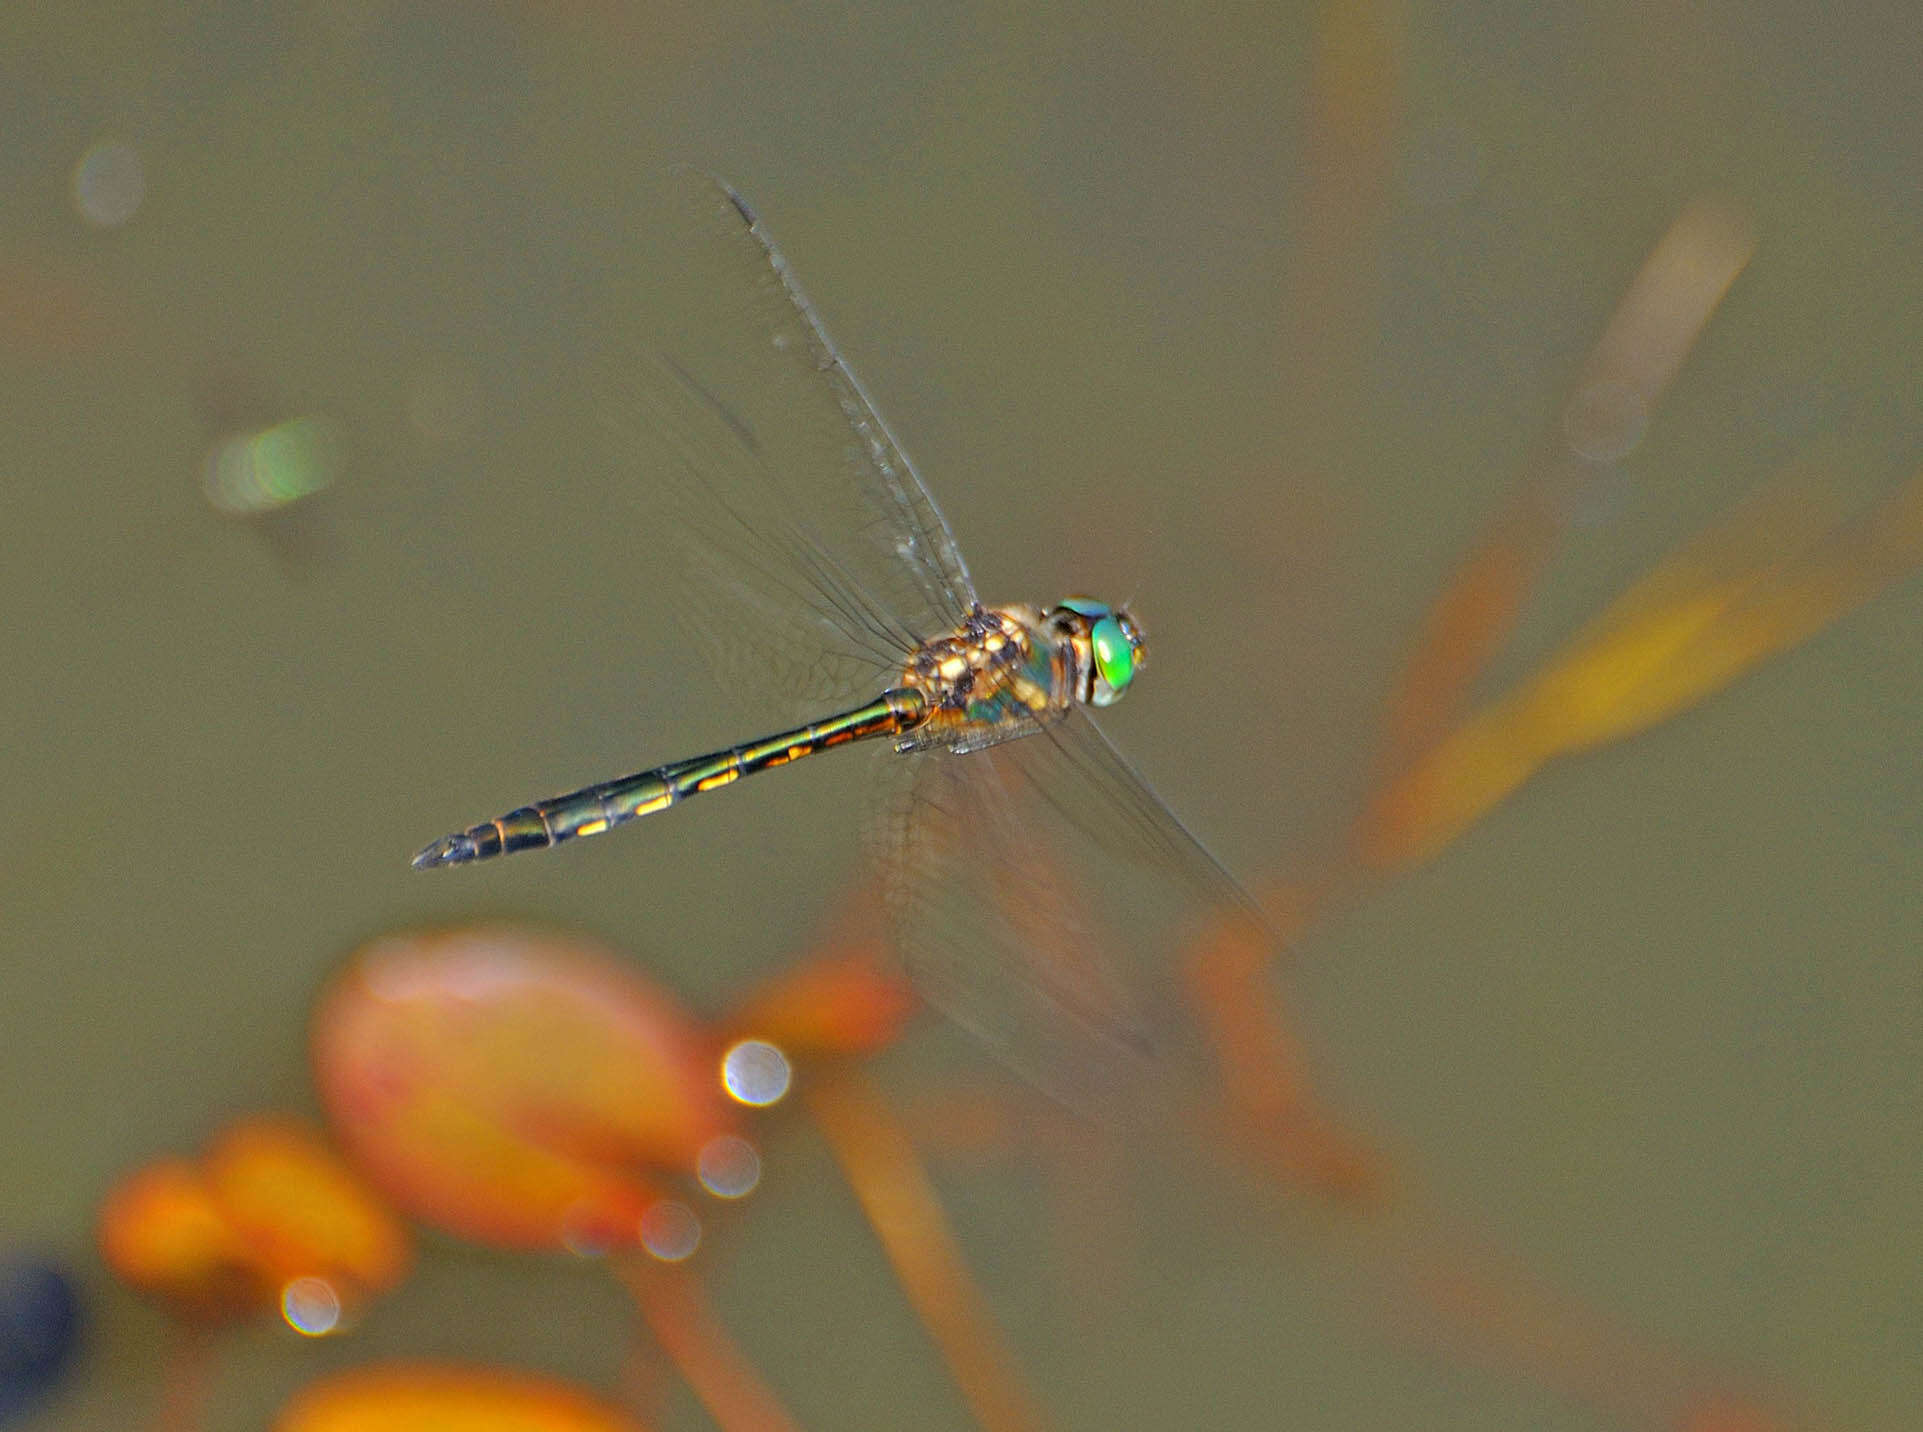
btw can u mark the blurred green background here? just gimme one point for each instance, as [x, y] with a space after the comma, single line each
[1655, 1028]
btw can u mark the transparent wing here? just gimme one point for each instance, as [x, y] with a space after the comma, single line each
[1032, 936]
[1072, 767]
[810, 539]
[778, 618]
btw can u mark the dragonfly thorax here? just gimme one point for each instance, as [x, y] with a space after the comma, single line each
[1009, 669]
[996, 657]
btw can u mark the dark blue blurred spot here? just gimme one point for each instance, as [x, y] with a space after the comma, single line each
[39, 1324]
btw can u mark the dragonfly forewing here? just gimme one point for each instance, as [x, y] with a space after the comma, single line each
[748, 431]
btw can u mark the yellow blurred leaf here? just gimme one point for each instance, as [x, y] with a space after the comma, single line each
[430, 1397]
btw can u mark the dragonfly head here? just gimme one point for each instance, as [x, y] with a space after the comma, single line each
[1109, 647]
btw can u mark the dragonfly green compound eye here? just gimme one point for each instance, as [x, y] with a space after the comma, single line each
[1114, 657]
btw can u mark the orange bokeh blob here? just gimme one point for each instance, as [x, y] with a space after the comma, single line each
[446, 1397]
[269, 1203]
[513, 1086]
[162, 1232]
[302, 1209]
[845, 999]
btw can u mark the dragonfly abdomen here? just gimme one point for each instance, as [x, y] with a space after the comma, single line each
[597, 808]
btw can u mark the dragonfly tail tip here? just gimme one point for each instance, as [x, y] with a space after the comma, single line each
[448, 850]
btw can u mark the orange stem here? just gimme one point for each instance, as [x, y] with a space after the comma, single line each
[878, 1159]
[1655, 324]
[1483, 1307]
[186, 1380]
[671, 1303]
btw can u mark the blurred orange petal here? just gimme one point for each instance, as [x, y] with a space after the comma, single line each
[1454, 784]
[1225, 967]
[1465, 626]
[844, 999]
[1656, 323]
[270, 1204]
[1647, 658]
[163, 1233]
[510, 1085]
[436, 1397]
[1756, 585]
[303, 1210]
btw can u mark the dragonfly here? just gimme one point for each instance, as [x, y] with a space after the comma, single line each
[825, 573]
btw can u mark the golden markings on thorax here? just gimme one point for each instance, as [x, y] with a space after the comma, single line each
[966, 666]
